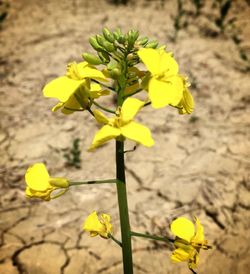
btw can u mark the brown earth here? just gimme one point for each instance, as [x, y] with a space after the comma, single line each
[199, 165]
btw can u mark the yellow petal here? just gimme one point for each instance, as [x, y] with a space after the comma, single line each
[37, 177]
[183, 228]
[92, 224]
[105, 92]
[162, 93]
[97, 226]
[179, 255]
[57, 106]
[93, 73]
[151, 59]
[199, 235]
[105, 134]
[100, 117]
[45, 195]
[138, 133]
[70, 104]
[106, 220]
[96, 91]
[167, 65]
[194, 259]
[61, 88]
[186, 103]
[130, 108]
[74, 70]
[95, 87]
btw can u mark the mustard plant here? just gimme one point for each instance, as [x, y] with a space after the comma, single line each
[114, 69]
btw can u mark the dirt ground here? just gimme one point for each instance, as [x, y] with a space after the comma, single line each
[198, 166]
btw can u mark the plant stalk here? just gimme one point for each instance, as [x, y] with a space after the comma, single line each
[123, 210]
[121, 186]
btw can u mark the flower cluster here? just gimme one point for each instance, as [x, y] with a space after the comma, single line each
[83, 83]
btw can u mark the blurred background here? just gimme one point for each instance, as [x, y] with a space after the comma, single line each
[199, 165]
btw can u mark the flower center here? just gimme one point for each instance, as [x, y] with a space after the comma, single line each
[73, 71]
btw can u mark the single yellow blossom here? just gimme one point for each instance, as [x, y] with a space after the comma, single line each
[98, 225]
[74, 89]
[165, 85]
[186, 105]
[40, 185]
[122, 125]
[188, 242]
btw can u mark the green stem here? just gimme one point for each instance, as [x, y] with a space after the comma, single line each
[130, 150]
[115, 240]
[191, 269]
[153, 237]
[79, 100]
[121, 187]
[147, 104]
[111, 181]
[103, 85]
[175, 106]
[90, 111]
[123, 210]
[103, 108]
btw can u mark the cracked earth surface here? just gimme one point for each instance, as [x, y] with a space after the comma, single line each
[199, 166]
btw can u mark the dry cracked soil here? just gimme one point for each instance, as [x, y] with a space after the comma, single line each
[198, 166]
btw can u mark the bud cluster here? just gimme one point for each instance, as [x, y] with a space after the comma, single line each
[111, 48]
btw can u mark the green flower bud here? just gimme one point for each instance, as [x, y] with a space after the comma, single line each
[115, 73]
[112, 64]
[143, 41]
[108, 46]
[104, 56]
[130, 56]
[108, 35]
[132, 35]
[117, 33]
[135, 34]
[152, 44]
[121, 39]
[100, 39]
[94, 44]
[92, 59]
[105, 44]
[119, 36]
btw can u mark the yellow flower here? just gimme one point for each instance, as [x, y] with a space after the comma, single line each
[165, 85]
[98, 226]
[75, 86]
[188, 242]
[186, 105]
[40, 185]
[122, 125]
